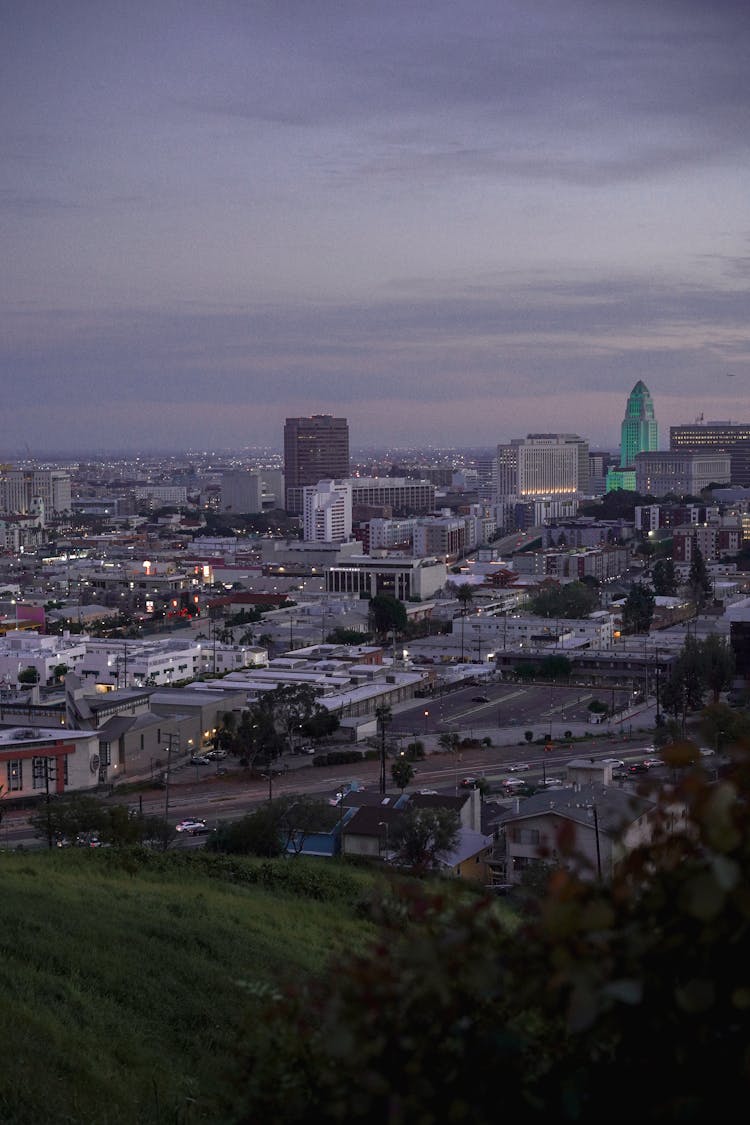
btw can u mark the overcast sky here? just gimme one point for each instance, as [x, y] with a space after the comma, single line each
[450, 222]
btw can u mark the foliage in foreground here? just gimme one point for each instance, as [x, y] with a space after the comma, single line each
[634, 995]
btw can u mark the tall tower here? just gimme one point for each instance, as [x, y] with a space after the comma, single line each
[315, 449]
[640, 430]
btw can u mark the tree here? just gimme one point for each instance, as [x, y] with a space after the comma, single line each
[258, 833]
[555, 668]
[28, 675]
[321, 724]
[664, 578]
[683, 691]
[638, 610]
[699, 584]
[452, 1004]
[718, 663]
[423, 837]
[402, 772]
[448, 741]
[465, 596]
[387, 614]
[574, 600]
[342, 636]
[303, 816]
[59, 672]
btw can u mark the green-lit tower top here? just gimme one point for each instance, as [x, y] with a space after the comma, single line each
[640, 430]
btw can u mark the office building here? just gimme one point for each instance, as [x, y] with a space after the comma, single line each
[639, 432]
[680, 472]
[315, 449]
[541, 465]
[19, 488]
[717, 437]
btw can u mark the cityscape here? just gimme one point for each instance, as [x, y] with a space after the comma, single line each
[374, 562]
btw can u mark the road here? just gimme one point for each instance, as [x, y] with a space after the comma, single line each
[227, 797]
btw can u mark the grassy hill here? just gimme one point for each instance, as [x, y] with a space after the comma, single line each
[126, 977]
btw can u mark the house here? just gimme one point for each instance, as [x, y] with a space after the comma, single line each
[601, 824]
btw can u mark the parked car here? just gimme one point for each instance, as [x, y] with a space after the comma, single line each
[192, 827]
[200, 760]
[480, 699]
[305, 750]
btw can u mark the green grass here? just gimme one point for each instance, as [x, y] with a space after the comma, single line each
[126, 979]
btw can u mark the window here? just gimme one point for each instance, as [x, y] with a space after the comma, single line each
[39, 773]
[15, 775]
[141, 742]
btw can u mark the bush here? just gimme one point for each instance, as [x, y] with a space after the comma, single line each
[338, 757]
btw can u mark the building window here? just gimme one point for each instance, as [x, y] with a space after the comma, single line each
[15, 775]
[105, 753]
[39, 772]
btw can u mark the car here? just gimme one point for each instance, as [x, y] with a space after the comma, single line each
[480, 699]
[192, 827]
[428, 792]
[200, 760]
[617, 762]
[517, 769]
[553, 783]
[652, 763]
[619, 775]
[706, 753]
[638, 767]
[512, 783]
[305, 750]
[469, 782]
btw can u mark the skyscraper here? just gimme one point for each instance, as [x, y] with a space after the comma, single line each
[639, 432]
[315, 449]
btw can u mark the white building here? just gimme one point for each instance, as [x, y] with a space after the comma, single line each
[540, 465]
[327, 511]
[21, 649]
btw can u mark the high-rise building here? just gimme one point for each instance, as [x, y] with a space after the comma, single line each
[315, 448]
[540, 465]
[327, 511]
[717, 437]
[639, 433]
[19, 487]
[640, 430]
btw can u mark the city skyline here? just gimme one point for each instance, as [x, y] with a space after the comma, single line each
[452, 226]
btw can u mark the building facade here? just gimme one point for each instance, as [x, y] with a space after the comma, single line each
[327, 511]
[315, 448]
[717, 437]
[681, 472]
[639, 432]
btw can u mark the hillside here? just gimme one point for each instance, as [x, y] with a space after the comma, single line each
[126, 978]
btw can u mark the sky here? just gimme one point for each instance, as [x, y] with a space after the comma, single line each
[451, 223]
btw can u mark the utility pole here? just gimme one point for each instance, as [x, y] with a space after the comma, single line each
[171, 738]
[598, 849]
